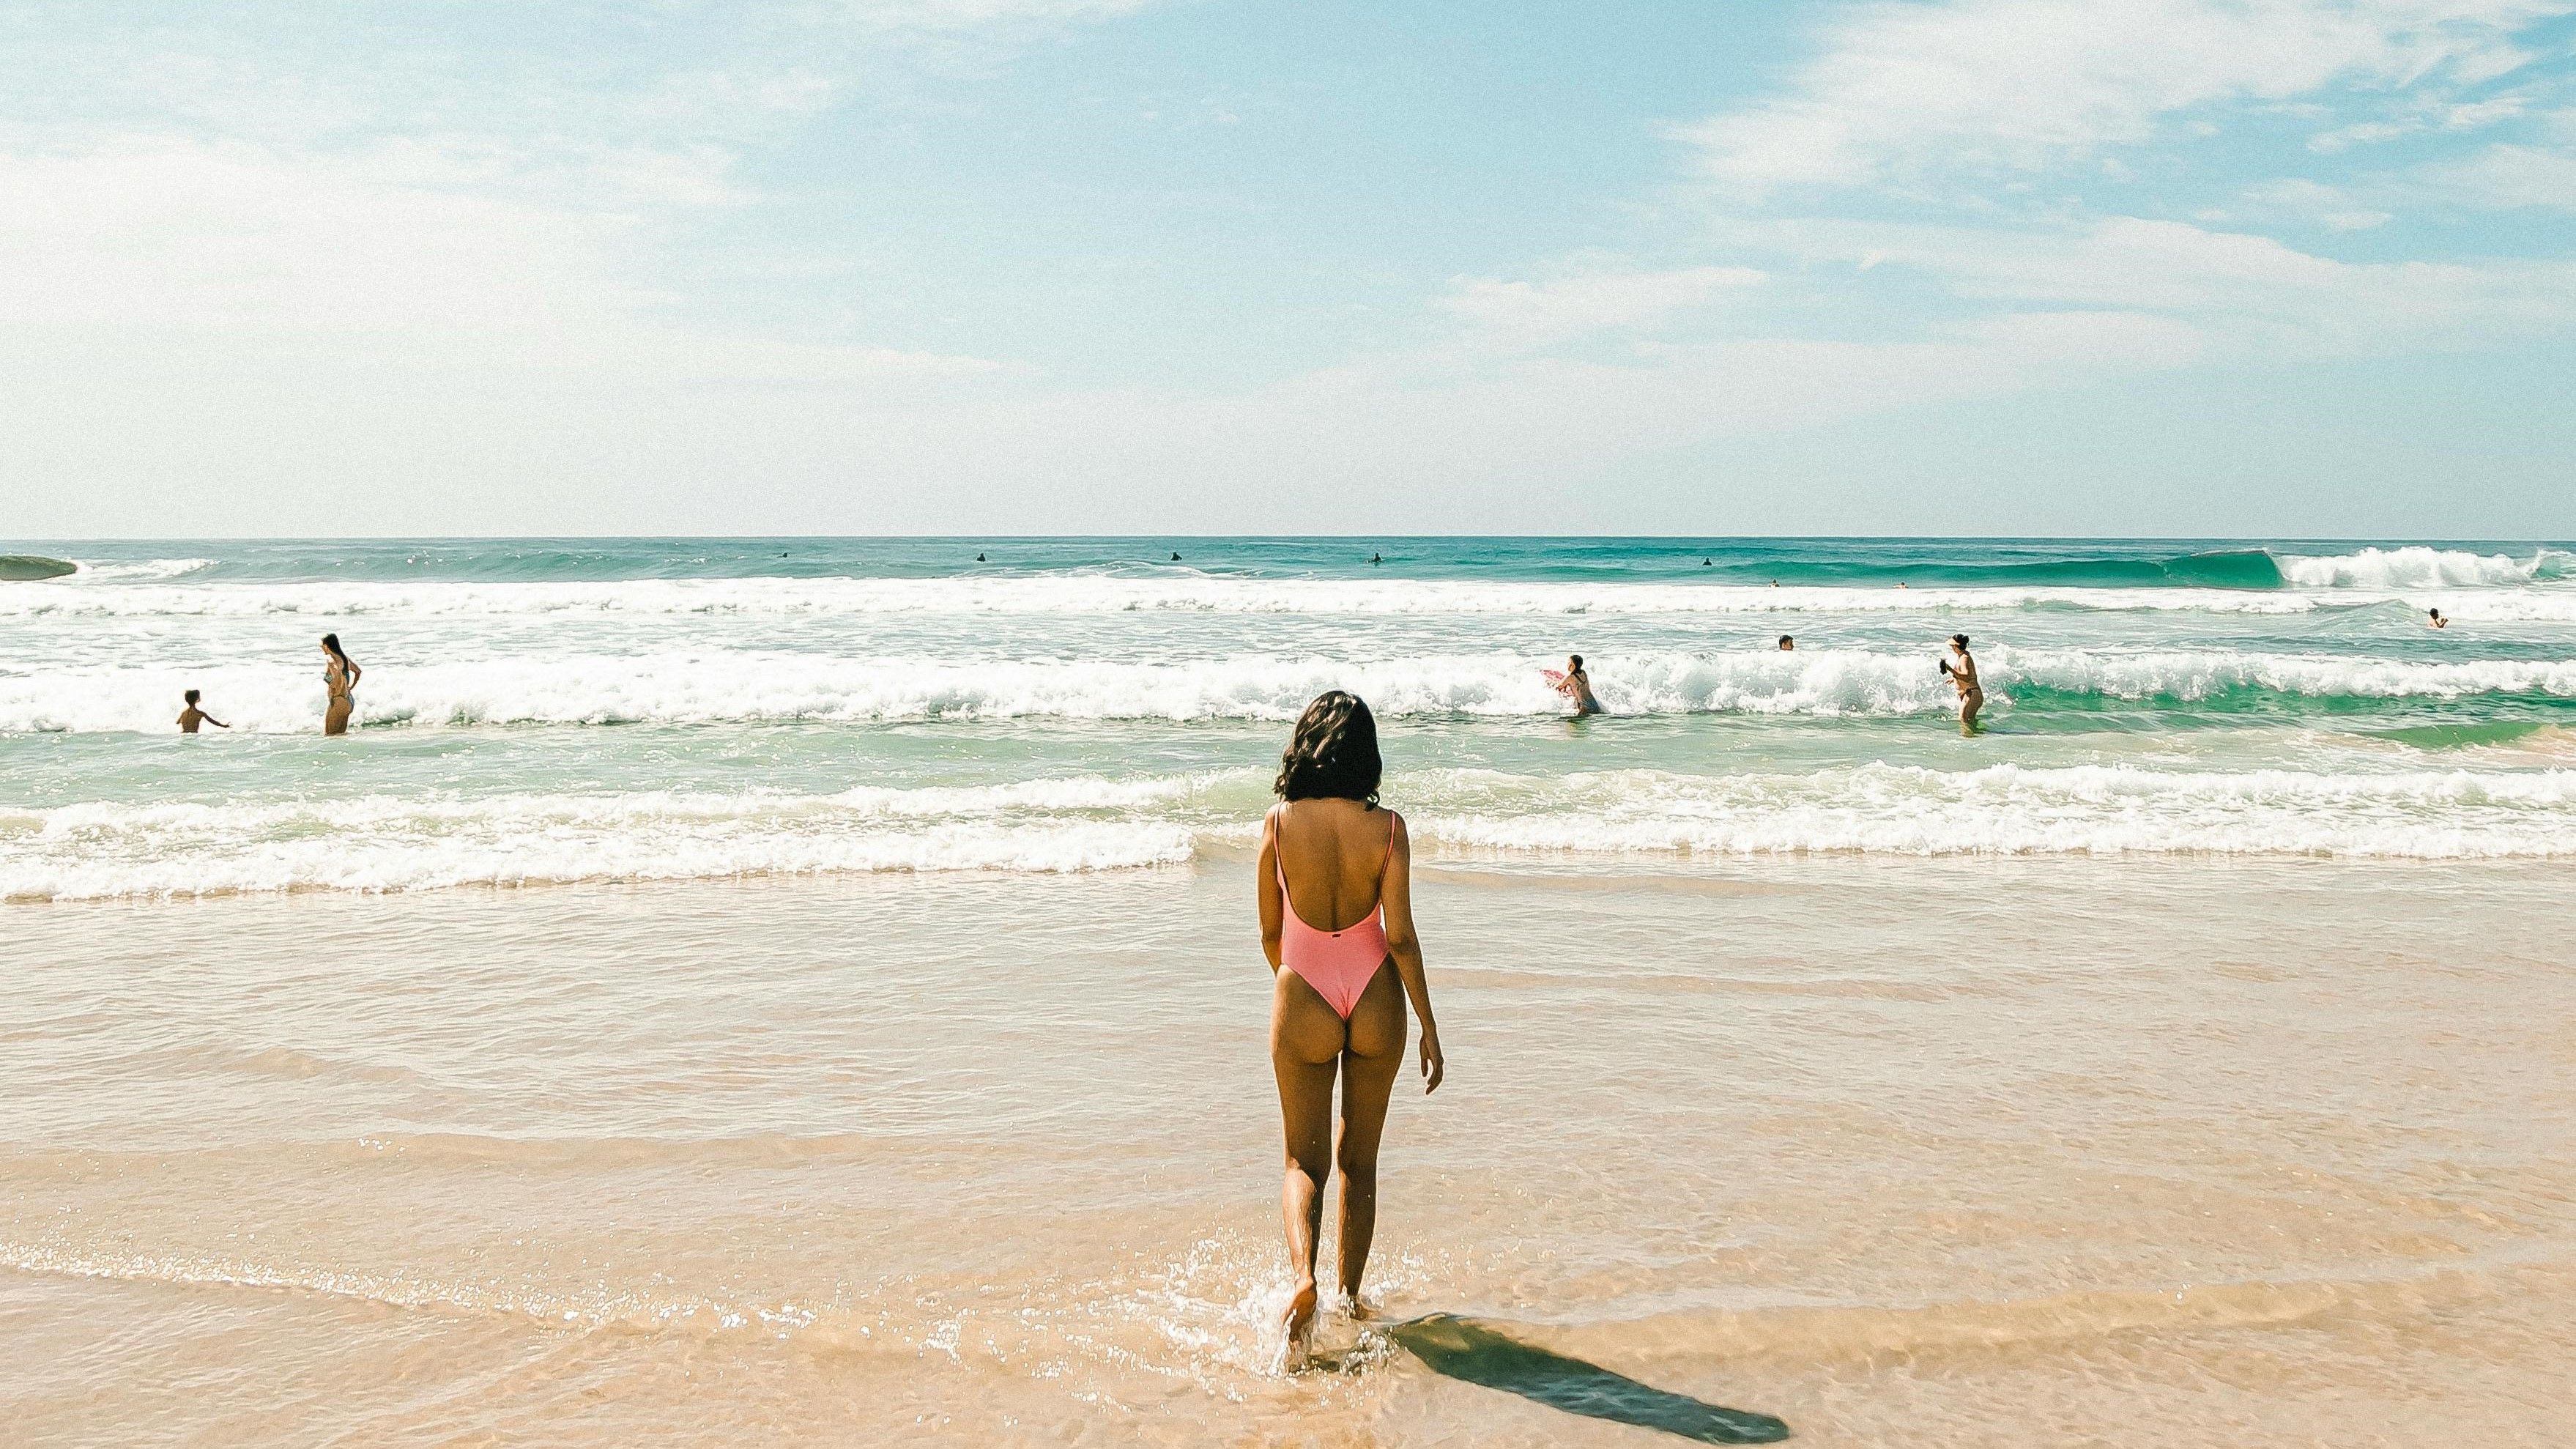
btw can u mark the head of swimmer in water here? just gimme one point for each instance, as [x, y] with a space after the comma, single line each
[331, 642]
[1959, 642]
[1788, 642]
[1574, 664]
[190, 698]
[1333, 752]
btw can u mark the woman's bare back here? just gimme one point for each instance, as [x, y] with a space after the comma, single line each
[1333, 854]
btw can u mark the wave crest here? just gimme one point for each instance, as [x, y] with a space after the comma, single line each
[734, 687]
[388, 843]
[2419, 567]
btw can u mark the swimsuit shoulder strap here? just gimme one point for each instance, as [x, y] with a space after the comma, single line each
[1279, 856]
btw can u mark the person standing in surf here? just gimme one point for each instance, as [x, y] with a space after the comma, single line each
[1961, 667]
[1331, 854]
[340, 676]
[1577, 686]
[190, 716]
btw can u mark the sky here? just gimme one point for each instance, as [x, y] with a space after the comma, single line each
[2299, 268]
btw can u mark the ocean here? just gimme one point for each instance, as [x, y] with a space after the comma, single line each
[578, 710]
[808, 990]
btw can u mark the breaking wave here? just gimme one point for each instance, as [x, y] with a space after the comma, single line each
[401, 843]
[717, 686]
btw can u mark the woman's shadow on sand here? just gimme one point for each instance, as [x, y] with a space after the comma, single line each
[1472, 1353]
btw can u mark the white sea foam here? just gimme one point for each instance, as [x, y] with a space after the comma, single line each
[390, 843]
[2469, 598]
[387, 843]
[717, 686]
[139, 571]
[2418, 567]
[2012, 810]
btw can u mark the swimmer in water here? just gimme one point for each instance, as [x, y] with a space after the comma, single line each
[1961, 666]
[191, 716]
[1788, 643]
[2433, 617]
[1577, 686]
[1330, 852]
[340, 676]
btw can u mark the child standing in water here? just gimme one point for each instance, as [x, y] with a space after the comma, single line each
[191, 716]
[1336, 1007]
[1961, 666]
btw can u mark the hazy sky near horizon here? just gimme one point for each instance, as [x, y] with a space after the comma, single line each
[2208, 267]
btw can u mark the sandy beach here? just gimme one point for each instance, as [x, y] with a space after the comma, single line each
[1997, 1152]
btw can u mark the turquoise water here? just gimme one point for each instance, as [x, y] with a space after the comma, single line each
[650, 709]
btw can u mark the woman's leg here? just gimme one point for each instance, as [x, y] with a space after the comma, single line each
[1305, 1048]
[335, 720]
[1370, 1064]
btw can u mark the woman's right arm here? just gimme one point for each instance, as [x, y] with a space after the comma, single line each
[1396, 894]
[1267, 888]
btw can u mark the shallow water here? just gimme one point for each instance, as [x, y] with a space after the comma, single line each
[1968, 1151]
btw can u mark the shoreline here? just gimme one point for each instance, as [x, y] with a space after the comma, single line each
[1703, 873]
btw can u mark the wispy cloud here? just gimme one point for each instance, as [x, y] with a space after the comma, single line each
[1921, 95]
[2506, 176]
[228, 251]
[1526, 314]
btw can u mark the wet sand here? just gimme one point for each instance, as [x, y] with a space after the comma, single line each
[1977, 1152]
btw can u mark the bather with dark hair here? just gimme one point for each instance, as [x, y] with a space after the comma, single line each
[340, 680]
[1961, 670]
[1336, 902]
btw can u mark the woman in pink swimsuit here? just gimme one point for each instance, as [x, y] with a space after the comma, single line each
[1337, 910]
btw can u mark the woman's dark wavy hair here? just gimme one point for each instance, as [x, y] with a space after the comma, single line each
[1333, 754]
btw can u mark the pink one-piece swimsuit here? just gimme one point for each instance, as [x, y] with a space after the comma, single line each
[1338, 964]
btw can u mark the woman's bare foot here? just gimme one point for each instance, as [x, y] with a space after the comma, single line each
[1361, 1309]
[1297, 1329]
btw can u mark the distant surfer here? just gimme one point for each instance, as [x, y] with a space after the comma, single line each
[340, 675]
[2434, 618]
[191, 716]
[1375, 559]
[979, 558]
[1176, 558]
[1961, 666]
[1788, 643]
[1576, 685]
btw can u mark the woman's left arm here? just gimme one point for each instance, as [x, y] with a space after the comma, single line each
[1396, 894]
